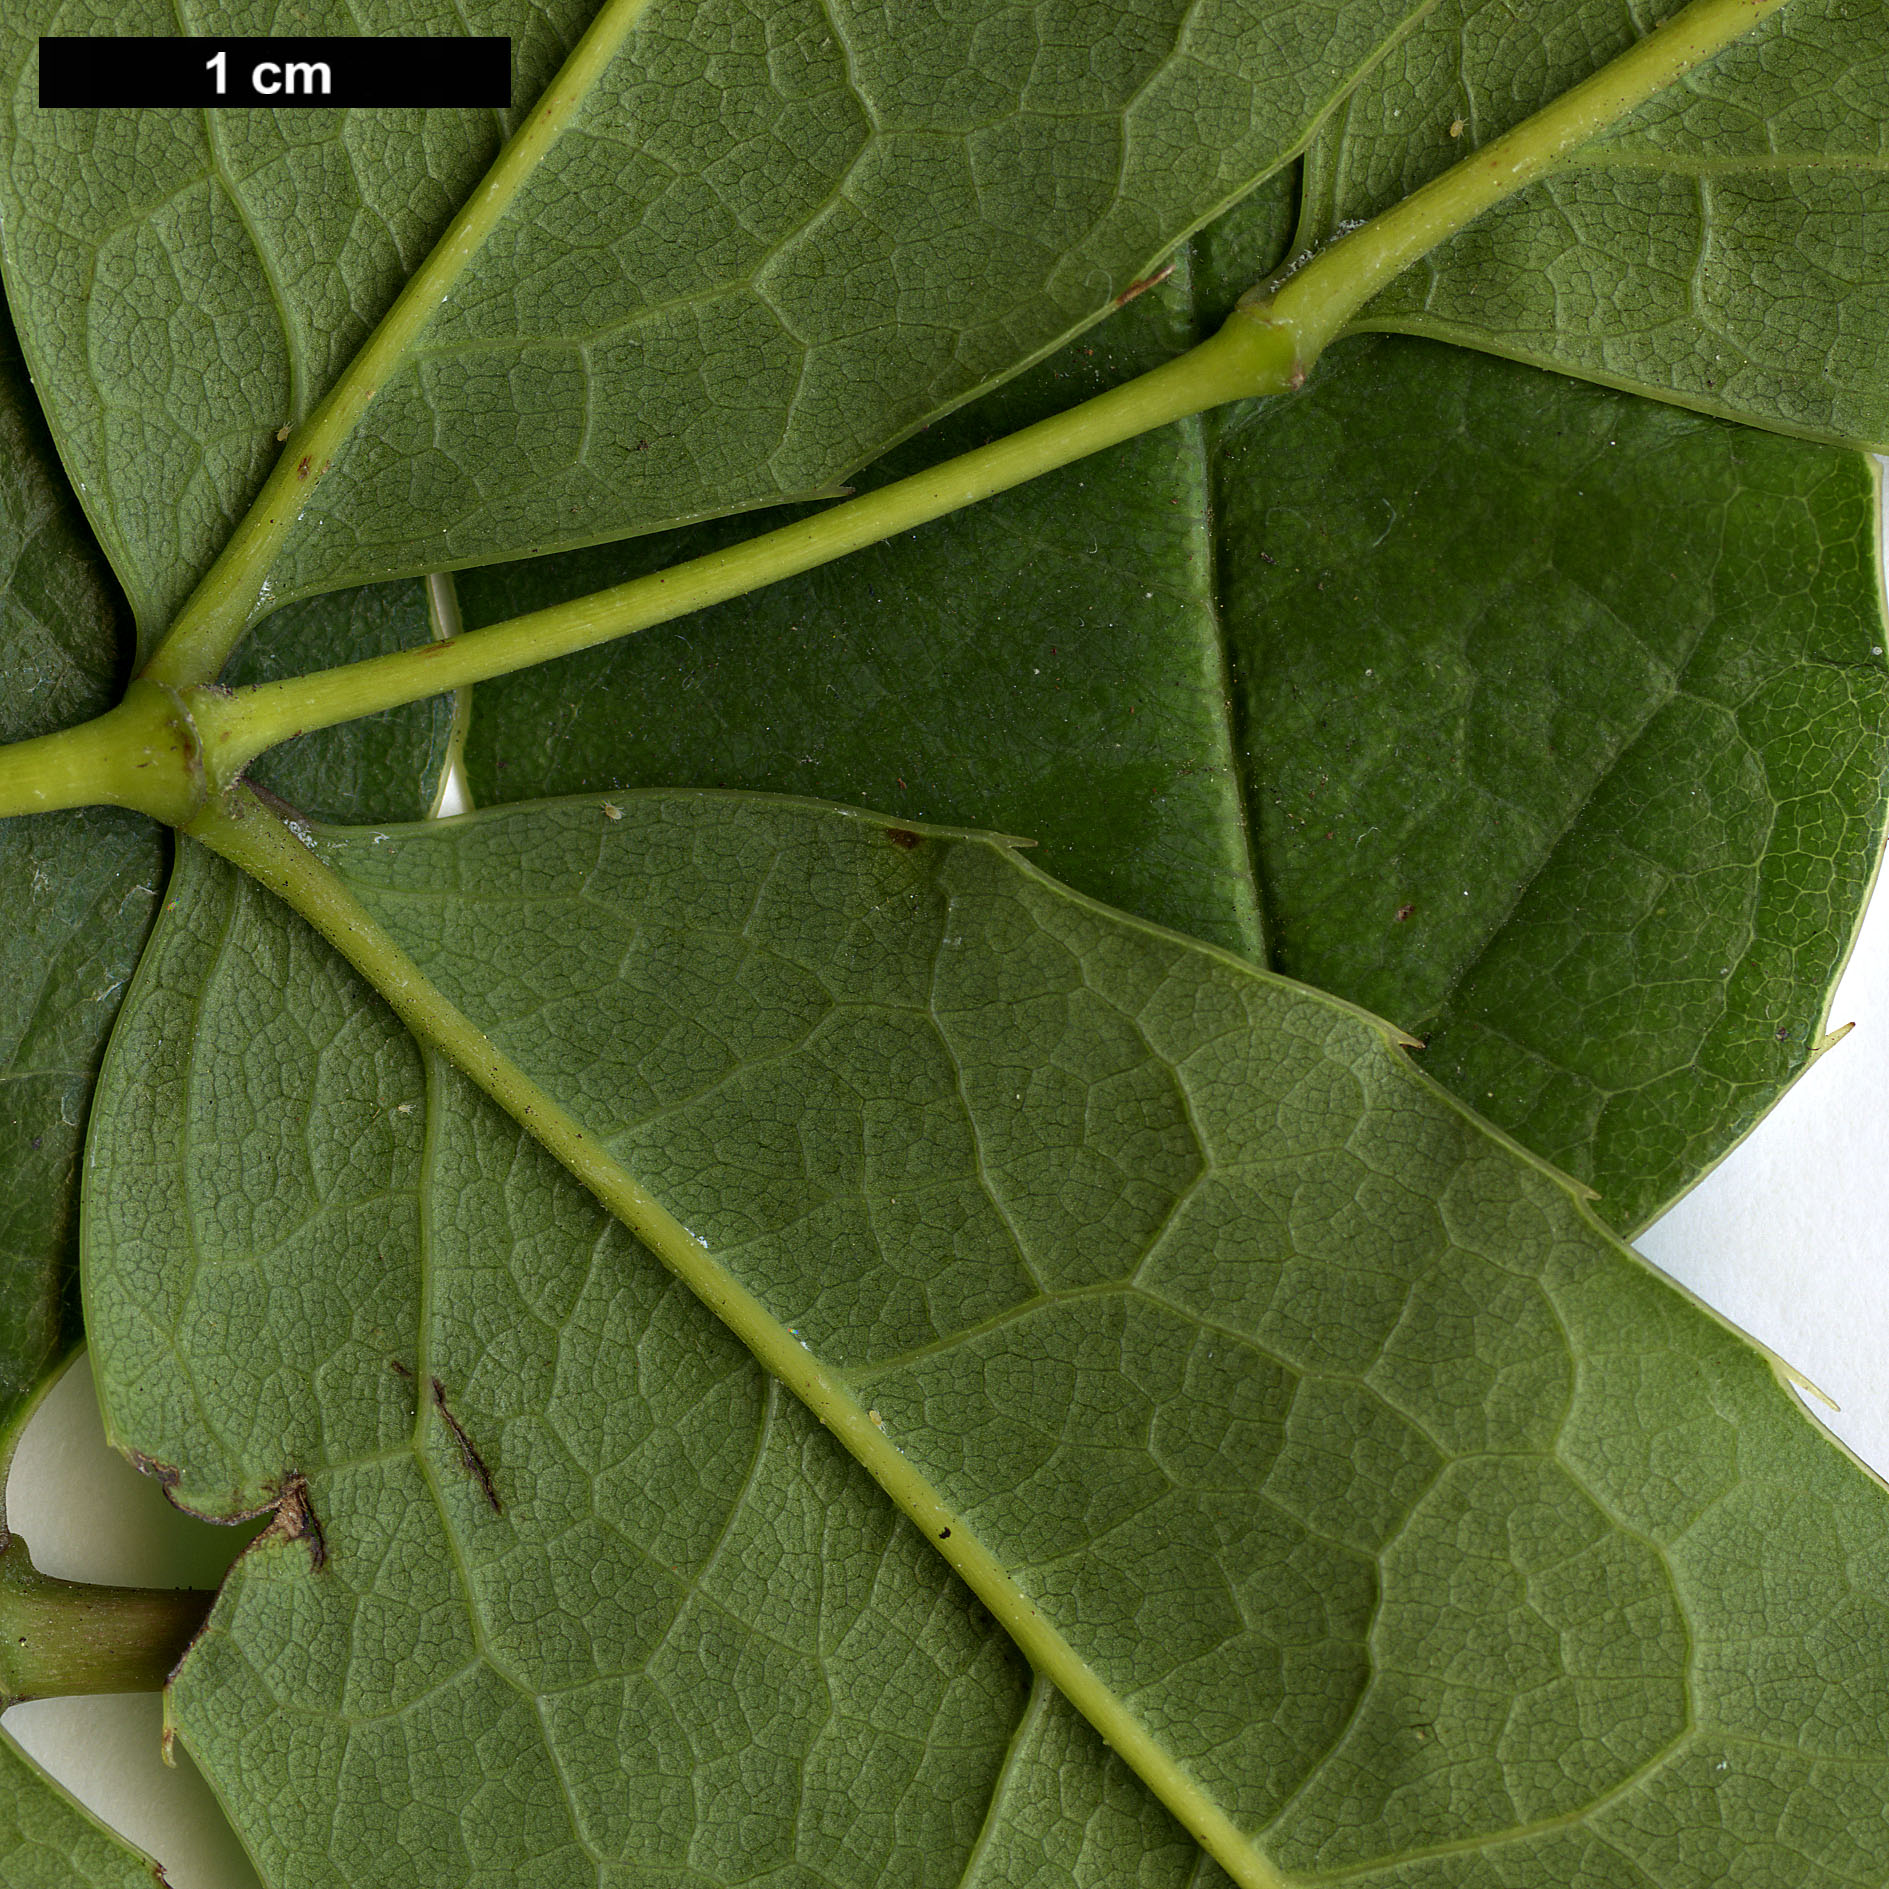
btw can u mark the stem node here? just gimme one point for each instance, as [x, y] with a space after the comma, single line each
[143, 754]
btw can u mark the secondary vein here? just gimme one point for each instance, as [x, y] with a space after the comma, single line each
[222, 607]
[245, 832]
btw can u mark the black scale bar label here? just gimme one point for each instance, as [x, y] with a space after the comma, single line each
[94, 74]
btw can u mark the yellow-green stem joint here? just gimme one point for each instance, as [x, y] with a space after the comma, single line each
[143, 754]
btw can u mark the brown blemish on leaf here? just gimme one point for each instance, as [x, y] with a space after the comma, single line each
[168, 1476]
[301, 471]
[470, 1459]
[1146, 283]
[296, 1520]
[400, 1369]
[903, 839]
[1404, 911]
[275, 803]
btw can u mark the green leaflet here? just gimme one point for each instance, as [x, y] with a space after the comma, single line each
[1566, 742]
[78, 892]
[696, 1665]
[1415, 1517]
[770, 241]
[1721, 249]
[1047, 664]
[49, 1841]
[77, 889]
[1543, 720]
[188, 288]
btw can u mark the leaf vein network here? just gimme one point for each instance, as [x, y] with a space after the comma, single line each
[534, 1697]
[942, 1037]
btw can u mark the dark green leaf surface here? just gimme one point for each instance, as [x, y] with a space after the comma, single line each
[1525, 713]
[384, 767]
[47, 1841]
[771, 241]
[1725, 247]
[1433, 1534]
[77, 893]
[77, 890]
[1564, 717]
[1050, 664]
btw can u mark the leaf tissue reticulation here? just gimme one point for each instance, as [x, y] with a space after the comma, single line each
[1436, 1539]
[768, 241]
[1721, 247]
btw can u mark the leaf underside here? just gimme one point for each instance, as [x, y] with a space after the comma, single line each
[47, 1841]
[1434, 1535]
[1437, 1540]
[772, 240]
[1723, 247]
[78, 889]
[1544, 720]
[188, 286]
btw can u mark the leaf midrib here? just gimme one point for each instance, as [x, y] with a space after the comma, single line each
[826, 1392]
[267, 850]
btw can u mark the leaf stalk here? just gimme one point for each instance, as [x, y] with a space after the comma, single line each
[1249, 355]
[59, 1639]
[1268, 346]
[177, 739]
